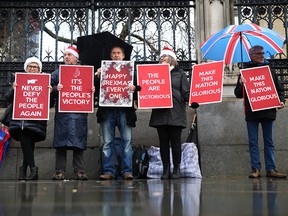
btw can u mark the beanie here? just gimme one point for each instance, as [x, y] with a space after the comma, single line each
[73, 51]
[167, 51]
[33, 60]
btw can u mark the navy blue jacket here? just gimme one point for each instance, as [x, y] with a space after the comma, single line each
[70, 129]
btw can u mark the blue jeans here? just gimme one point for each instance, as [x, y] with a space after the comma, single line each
[267, 128]
[116, 117]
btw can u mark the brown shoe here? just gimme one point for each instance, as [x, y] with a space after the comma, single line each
[106, 176]
[81, 175]
[128, 176]
[255, 174]
[275, 174]
[58, 176]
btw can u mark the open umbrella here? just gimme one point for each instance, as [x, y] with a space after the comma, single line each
[97, 47]
[4, 142]
[232, 43]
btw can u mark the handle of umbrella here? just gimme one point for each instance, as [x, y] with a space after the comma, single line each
[194, 118]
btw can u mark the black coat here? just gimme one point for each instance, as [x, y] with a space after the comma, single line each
[261, 114]
[35, 128]
[130, 112]
[175, 116]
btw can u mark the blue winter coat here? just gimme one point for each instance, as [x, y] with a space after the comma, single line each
[70, 129]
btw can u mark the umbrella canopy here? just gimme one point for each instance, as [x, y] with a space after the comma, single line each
[4, 143]
[232, 43]
[97, 47]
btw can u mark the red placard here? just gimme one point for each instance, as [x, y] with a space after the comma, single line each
[155, 82]
[76, 94]
[116, 77]
[207, 83]
[260, 88]
[31, 96]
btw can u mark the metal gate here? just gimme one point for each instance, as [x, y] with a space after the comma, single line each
[45, 28]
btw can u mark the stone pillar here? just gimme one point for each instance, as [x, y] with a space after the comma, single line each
[211, 16]
[217, 15]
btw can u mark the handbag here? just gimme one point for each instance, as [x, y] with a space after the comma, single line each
[7, 115]
[189, 166]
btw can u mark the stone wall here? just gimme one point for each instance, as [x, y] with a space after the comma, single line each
[222, 140]
[45, 154]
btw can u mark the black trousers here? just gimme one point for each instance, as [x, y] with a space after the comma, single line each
[27, 146]
[170, 135]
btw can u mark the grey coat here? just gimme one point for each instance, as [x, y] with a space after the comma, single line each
[70, 129]
[175, 116]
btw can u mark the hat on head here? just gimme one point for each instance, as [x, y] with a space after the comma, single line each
[33, 60]
[73, 50]
[168, 51]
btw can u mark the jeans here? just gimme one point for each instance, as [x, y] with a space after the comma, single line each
[267, 128]
[116, 117]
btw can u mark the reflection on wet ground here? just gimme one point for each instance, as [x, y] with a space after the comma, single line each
[149, 197]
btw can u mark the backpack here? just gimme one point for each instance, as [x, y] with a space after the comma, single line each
[140, 162]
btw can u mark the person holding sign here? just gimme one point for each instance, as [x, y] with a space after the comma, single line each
[169, 122]
[264, 117]
[27, 131]
[70, 128]
[124, 119]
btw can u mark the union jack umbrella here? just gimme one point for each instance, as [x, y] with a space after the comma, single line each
[4, 143]
[232, 43]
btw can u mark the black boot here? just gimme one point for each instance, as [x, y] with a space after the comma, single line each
[33, 174]
[176, 172]
[22, 173]
[166, 172]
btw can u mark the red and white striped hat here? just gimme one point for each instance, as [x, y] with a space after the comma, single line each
[73, 51]
[168, 51]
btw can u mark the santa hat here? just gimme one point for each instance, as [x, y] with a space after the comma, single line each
[33, 60]
[168, 51]
[73, 51]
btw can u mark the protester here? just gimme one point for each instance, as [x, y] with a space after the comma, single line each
[28, 132]
[169, 122]
[264, 117]
[70, 129]
[124, 118]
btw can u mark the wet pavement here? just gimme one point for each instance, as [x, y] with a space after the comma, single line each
[149, 197]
